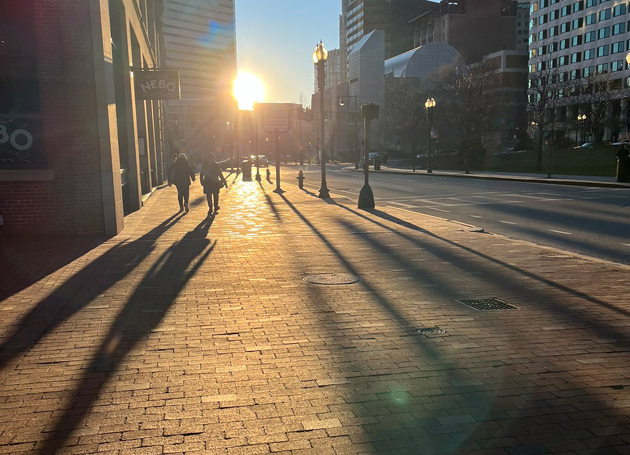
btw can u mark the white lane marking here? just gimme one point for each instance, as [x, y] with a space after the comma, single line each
[506, 222]
[476, 216]
[439, 210]
[626, 244]
[561, 232]
[402, 204]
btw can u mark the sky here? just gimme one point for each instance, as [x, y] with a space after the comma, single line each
[275, 40]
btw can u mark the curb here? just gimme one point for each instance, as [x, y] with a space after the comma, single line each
[553, 181]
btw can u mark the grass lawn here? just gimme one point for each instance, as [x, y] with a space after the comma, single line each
[599, 161]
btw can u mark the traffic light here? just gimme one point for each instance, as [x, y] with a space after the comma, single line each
[325, 115]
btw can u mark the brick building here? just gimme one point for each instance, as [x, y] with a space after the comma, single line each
[77, 149]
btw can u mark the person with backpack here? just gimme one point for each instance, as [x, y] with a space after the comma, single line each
[212, 180]
[181, 174]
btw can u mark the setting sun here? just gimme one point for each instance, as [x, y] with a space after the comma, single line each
[248, 90]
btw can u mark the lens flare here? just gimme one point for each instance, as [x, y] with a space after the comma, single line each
[248, 90]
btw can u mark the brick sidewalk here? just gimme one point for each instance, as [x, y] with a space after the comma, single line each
[194, 335]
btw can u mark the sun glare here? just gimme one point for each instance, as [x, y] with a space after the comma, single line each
[248, 90]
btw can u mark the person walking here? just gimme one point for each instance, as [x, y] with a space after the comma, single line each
[212, 180]
[181, 175]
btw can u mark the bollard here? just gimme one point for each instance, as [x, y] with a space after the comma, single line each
[268, 175]
[301, 178]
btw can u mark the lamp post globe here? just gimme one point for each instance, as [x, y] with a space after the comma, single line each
[319, 58]
[429, 106]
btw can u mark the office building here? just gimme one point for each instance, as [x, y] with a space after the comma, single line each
[363, 16]
[80, 146]
[474, 28]
[579, 43]
[200, 40]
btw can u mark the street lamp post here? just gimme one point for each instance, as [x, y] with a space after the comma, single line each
[356, 128]
[369, 112]
[319, 58]
[581, 119]
[429, 105]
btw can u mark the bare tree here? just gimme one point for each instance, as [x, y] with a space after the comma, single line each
[404, 105]
[464, 100]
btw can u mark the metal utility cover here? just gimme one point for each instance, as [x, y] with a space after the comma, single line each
[332, 279]
[487, 304]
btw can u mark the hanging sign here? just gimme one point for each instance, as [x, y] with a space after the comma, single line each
[275, 116]
[157, 84]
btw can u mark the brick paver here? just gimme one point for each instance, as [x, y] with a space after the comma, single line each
[194, 335]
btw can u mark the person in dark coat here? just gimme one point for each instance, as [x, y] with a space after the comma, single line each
[211, 178]
[181, 174]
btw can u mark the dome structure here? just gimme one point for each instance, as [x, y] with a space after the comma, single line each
[421, 61]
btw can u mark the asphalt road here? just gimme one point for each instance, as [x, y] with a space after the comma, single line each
[586, 220]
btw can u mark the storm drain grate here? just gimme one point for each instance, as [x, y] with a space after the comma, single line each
[331, 279]
[487, 304]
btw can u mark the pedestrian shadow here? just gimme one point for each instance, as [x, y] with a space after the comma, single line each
[140, 316]
[79, 291]
[21, 263]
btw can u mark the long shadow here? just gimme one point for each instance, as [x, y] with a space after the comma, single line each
[142, 313]
[565, 241]
[572, 220]
[78, 291]
[541, 403]
[25, 262]
[476, 396]
[587, 321]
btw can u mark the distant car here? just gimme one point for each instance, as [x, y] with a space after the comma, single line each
[263, 161]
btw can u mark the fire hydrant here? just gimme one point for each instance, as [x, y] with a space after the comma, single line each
[300, 178]
[268, 174]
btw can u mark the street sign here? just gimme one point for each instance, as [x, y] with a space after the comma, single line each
[276, 117]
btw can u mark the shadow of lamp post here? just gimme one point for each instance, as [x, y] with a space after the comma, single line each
[319, 58]
[429, 105]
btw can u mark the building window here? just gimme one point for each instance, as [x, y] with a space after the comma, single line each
[619, 28]
[590, 36]
[617, 66]
[619, 10]
[573, 75]
[602, 68]
[591, 19]
[565, 11]
[603, 33]
[551, 48]
[542, 19]
[555, 14]
[563, 61]
[578, 6]
[576, 40]
[617, 47]
[589, 54]
[542, 34]
[553, 31]
[533, 8]
[576, 57]
[604, 14]
[587, 71]
[566, 27]
[578, 23]
[591, 3]
[603, 51]
[565, 44]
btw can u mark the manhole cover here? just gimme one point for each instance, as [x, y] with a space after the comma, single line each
[331, 278]
[487, 304]
[432, 331]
